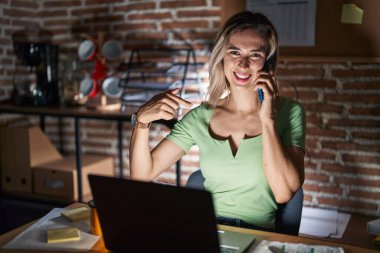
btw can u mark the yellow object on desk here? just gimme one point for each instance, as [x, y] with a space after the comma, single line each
[95, 224]
[63, 235]
[76, 214]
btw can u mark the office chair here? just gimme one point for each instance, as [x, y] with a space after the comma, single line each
[288, 215]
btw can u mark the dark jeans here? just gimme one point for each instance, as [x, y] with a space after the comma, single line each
[239, 223]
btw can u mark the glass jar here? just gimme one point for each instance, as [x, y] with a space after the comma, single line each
[74, 73]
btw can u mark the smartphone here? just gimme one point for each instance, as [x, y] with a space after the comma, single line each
[261, 95]
[260, 91]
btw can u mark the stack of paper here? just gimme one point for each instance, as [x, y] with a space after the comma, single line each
[323, 223]
[373, 227]
[35, 237]
[273, 246]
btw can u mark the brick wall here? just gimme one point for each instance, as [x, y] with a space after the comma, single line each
[341, 96]
[342, 100]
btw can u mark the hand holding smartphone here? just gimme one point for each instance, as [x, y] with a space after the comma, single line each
[260, 92]
[261, 95]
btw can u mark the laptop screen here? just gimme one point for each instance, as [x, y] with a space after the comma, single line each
[147, 217]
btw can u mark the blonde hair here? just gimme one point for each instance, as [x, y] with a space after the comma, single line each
[238, 23]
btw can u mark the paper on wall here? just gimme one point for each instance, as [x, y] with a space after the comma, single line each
[294, 20]
[351, 14]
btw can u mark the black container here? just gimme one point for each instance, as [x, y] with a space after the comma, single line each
[28, 53]
[36, 74]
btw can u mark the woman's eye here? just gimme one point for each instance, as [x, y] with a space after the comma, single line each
[256, 55]
[234, 53]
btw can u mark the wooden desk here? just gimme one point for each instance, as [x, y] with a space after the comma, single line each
[260, 235]
[78, 113]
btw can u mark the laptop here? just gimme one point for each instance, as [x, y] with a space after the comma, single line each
[148, 217]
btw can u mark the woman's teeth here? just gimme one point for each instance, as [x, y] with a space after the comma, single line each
[242, 76]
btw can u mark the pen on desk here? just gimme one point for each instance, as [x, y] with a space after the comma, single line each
[274, 249]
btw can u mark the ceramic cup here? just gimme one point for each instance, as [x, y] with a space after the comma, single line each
[87, 50]
[112, 50]
[111, 87]
[88, 87]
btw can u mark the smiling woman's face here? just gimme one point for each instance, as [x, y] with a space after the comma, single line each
[246, 54]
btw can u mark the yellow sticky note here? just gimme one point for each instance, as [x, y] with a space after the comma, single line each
[377, 239]
[63, 235]
[351, 14]
[76, 214]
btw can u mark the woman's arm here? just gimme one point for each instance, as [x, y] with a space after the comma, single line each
[147, 165]
[283, 166]
[144, 163]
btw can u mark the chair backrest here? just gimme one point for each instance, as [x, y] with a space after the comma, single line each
[288, 215]
[196, 180]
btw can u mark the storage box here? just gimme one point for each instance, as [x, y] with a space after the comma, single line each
[21, 148]
[59, 178]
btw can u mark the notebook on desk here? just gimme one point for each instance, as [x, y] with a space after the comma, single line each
[147, 217]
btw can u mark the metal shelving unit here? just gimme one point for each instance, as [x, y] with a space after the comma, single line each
[154, 70]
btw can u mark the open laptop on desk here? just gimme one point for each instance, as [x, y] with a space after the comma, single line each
[146, 217]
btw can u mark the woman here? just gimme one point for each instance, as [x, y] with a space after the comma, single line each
[251, 152]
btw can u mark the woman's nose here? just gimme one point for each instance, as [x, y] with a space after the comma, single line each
[244, 62]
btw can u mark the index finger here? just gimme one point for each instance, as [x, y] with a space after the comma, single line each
[180, 100]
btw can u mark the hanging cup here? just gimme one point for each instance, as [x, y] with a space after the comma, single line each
[88, 87]
[87, 50]
[112, 50]
[111, 87]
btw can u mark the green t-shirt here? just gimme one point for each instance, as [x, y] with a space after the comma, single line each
[238, 183]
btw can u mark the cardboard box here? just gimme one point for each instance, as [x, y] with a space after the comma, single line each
[59, 178]
[21, 148]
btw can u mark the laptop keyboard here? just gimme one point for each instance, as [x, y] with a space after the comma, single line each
[227, 250]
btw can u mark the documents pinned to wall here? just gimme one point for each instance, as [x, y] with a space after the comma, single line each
[351, 14]
[294, 20]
